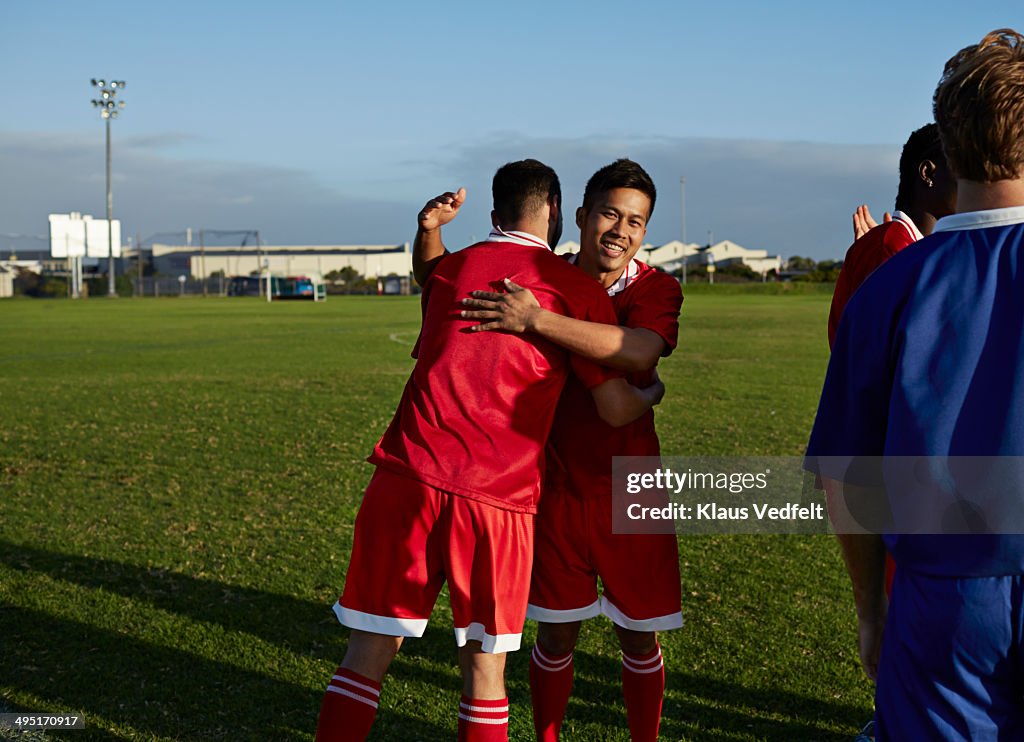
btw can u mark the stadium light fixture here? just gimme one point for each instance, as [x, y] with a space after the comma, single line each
[108, 110]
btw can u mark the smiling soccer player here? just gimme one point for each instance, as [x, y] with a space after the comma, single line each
[458, 470]
[575, 544]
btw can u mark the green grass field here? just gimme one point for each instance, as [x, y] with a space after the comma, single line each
[179, 479]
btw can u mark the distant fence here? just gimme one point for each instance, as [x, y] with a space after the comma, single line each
[169, 286]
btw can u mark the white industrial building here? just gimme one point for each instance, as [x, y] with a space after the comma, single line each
[671, 256]
[78, 239]
[371, 261]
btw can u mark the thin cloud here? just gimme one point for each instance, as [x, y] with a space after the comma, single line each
[154, 193]
[161, 141]
[786, 197]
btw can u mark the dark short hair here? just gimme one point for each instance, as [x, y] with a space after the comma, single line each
[522, 188]
[923, 144]
[620, 174]
[979, 107]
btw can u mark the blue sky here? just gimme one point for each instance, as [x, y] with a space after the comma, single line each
[334, 122]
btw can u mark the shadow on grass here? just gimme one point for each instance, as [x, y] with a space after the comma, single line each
[160, 691]
[170, 692]
[697, 707]
[279, 619]
[147, 687]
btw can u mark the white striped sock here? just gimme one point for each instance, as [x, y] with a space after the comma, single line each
[550, 665]
[643, 666]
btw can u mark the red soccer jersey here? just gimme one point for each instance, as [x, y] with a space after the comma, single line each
[478, 408]
[864, 256]
[582, 444]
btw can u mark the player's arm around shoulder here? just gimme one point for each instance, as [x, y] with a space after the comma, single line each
[656, 307]
[649, 327]
[618, 402]
[627, 348]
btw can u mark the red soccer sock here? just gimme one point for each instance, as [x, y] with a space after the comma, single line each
[550, 688]
[348, 709]
[643, 685]
[483, 721]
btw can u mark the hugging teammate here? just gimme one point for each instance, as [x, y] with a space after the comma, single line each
[575, 544]
[459, 468]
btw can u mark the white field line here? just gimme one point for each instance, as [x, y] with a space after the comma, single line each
[402, 337]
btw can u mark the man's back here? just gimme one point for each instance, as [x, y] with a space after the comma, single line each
[928, 363]
[947, 316]
[478, 407]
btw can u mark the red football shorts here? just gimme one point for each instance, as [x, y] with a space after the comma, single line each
[575, 546]
[410, 538]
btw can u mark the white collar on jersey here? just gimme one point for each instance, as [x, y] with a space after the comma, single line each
[628, 276]
[906, 221]
[520, 238]
[981, 219]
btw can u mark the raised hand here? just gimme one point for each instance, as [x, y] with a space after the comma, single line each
[863, 222]
[440, 210]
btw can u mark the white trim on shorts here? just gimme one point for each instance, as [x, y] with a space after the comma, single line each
[488, 642]
[550, 615]
[659, 623]
[387, 625]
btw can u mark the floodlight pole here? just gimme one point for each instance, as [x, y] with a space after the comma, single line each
[108, 110]
[710, 260]
[138, 263]
[111, 290]
[259, 251]
[682, 199]
[202, 258]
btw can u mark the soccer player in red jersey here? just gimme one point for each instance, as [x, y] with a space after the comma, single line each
[459, 469]
[574, 540]
[927, 192]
